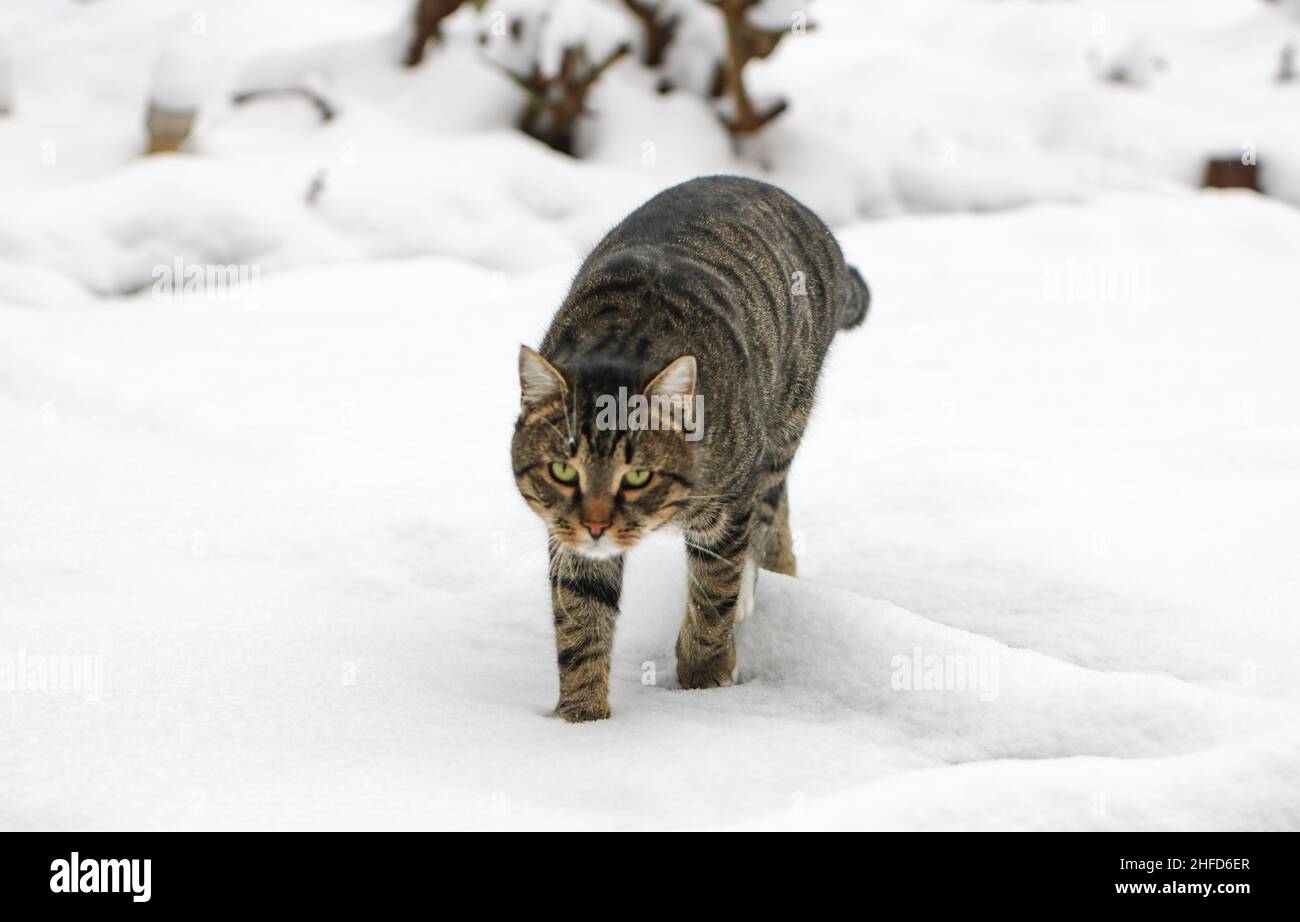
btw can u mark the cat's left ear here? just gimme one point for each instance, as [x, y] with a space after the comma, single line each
[539, 380]
[676, 380]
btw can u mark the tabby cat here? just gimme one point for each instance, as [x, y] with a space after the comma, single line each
[721, 293]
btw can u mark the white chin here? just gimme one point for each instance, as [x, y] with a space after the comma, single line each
[599, 551]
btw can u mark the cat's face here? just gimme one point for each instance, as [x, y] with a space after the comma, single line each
[599, 489]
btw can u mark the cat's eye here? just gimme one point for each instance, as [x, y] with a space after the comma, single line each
[637, 478]
[563, 472]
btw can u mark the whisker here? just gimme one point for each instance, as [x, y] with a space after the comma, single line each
[558, 559]
[704, 592]
[572, 440]
[557, 428]
[705, 550]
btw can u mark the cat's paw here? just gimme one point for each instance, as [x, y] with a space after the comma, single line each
[576, 712]
[714, 674]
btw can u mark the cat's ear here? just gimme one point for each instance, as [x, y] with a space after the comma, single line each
[539, 380]
[676, 380]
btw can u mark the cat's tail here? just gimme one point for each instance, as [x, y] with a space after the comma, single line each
[853, 309]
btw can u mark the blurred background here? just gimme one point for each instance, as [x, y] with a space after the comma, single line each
[512, 132]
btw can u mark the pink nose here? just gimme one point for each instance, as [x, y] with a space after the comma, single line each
[596, 528]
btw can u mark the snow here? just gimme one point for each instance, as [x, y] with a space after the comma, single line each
[182, 74]
[319, 601]
[690, 60]
[776, 15]
[600, 29]
[1055, 471]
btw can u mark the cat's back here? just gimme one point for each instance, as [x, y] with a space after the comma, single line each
[725, 251]
[688, 211]
[732, 270]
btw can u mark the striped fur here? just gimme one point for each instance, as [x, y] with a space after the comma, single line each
[750, 283]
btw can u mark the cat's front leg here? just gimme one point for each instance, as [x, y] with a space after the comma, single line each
[715, 561]
[584, 603]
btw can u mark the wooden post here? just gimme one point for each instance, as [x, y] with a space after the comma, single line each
[1231, 173]
[168, 131]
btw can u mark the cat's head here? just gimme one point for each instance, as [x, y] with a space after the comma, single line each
[606, 452]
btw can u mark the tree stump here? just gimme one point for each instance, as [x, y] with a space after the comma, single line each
[1231, 173]
[168, 131]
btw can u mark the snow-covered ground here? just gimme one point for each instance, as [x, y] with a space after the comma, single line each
[290, 531]
[1063, 453]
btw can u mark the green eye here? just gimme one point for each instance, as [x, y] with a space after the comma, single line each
[637, 478]
[564, 473]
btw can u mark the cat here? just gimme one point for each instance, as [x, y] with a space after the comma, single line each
[716, 302]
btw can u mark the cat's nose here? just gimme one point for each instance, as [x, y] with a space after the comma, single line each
[596, 529]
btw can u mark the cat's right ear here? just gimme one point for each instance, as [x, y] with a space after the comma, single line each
[539, 380]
